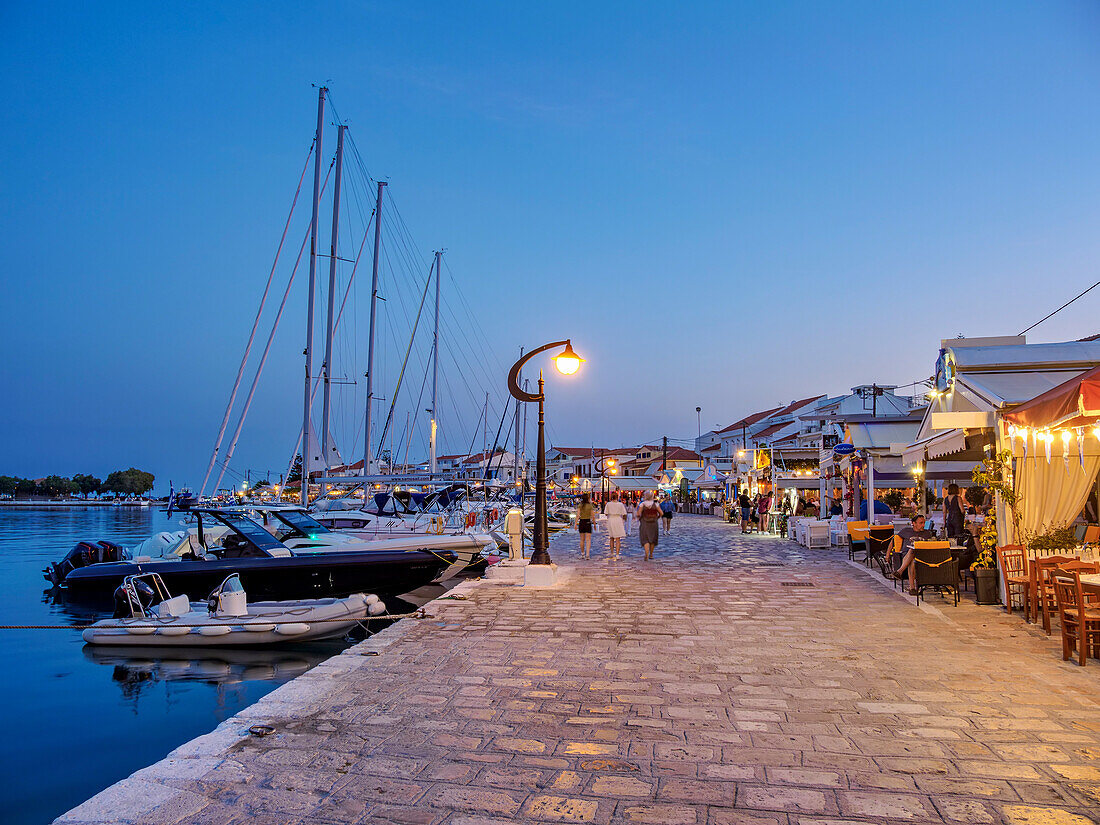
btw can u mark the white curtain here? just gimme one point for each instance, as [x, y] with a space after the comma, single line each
[1052, 495]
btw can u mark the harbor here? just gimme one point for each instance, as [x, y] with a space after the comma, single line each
[469, 414]
[733, 679]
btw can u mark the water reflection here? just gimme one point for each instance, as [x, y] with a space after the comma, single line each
[133, 668]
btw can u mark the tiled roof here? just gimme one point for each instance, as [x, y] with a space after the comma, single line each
[749, 420]
[774, 428]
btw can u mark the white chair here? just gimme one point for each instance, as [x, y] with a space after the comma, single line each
[838, 531]
[817, 534]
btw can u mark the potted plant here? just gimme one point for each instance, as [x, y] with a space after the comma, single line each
[984, 567]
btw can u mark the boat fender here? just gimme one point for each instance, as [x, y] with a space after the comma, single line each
[372, 599]
[215, 630]
[172, 630]
[292, 628]
[141, 630]
[376, 608]
[258, 627]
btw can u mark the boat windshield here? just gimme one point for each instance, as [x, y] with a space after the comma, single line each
[247, 531]
[302, 523]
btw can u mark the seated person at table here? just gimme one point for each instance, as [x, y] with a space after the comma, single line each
[908, 536]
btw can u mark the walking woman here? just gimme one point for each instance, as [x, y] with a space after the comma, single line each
[763, 504]
[586, 513]
[616, 524]
[668, 507]
[954, 516]
[649, 513]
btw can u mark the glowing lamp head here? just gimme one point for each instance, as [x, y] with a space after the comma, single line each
[568, 362]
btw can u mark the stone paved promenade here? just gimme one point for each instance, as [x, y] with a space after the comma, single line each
[709, 687]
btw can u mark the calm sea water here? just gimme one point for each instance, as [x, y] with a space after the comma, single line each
[77, 719]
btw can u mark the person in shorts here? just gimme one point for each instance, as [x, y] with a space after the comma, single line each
[744, 504]
[586, 513]
[668, 507]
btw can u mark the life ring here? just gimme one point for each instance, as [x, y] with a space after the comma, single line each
[436, 525]
[495, 514]
[471, 519]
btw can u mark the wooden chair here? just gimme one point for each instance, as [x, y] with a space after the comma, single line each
[1043, 603]
[1092, 534]
[1079, 616]
[1014, 576]
[857, 538]
[935, 568]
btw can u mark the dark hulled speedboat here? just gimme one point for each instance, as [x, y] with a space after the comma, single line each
[267, 567]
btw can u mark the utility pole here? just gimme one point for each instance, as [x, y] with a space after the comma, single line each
[699, 420]
[664, 454]
[312, 289]
[327, 366]
[370, 343]
[435, 368]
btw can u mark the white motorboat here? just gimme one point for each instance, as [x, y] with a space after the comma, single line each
[304, 534]
[146, 614]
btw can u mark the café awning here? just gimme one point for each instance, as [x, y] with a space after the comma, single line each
[1073, 403]
[934, 446]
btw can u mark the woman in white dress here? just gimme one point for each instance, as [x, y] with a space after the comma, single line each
[616, 524]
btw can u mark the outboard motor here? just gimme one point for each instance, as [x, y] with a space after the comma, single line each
[124, 605]
[83, 554]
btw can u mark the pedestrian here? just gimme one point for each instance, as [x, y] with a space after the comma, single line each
[763, 504]
[616, 513]
[668, 507]
[629, 515]
[586, 513]
[954, 516]
[745, 504]
[648, 513]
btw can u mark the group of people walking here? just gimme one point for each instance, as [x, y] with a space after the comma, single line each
[754, 511]
[649, 512]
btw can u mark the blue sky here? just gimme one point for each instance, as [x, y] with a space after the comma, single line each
[726, 205]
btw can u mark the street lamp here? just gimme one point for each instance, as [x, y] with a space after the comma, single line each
[567, 363]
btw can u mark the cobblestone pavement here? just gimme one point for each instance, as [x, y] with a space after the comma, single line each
[735, 679]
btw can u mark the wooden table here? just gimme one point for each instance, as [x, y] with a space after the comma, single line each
[1090, 583]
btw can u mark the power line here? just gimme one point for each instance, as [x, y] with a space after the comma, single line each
[1063, 306]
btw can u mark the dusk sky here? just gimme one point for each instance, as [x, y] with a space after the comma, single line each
[725, 205]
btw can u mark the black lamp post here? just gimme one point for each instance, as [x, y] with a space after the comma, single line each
[568, 362]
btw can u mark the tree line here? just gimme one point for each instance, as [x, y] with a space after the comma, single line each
[120, 483]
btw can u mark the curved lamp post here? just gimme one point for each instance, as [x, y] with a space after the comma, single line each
[567, 362]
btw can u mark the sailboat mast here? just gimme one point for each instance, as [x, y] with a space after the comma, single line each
[515, 469]
[327, 366]
[432, 444]
[370, 344]
[312, 289]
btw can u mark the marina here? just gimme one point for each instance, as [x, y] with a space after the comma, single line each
[139, 704]
[475, 414]
[563, 704]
